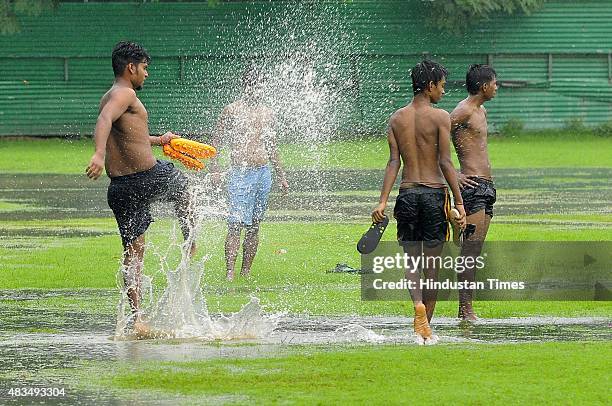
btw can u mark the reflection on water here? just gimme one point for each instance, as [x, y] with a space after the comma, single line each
[520, 191]
[64, 340]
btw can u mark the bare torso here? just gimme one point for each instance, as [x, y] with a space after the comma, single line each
[247, 130]
[469, 133]
[128, 149]
[416, 133]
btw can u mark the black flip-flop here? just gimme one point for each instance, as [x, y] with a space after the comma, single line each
[469, 230]
[369, 240]
[466, 233]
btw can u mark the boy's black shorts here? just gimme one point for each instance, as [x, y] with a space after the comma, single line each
[479, 197]
[422, 215]
[130, 196]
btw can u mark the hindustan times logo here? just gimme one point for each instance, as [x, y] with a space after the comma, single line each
[414, 263]
[405, 284]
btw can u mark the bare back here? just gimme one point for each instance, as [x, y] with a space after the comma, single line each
[247, 129]
[416, 130]
[128, 149]
[469, 133]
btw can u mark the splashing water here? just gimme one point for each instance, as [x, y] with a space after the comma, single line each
[302, 49]
[355, 332]
[180, 311]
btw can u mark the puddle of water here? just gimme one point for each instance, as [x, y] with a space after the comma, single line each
[68, 349]
[63, 196]
[289, 329]
[399, 330]
[33, 357]
[52, 232]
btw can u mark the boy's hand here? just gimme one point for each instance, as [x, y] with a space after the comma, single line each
[95, 167]
[461, 220]
[167, 137]
[466, 181]
[284, 186]
[378, 214]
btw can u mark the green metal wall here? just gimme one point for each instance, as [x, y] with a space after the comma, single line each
[554, 65]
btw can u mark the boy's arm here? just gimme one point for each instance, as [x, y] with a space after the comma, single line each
[446, 164]
[119, 102]
[460, 118]
[393, 166]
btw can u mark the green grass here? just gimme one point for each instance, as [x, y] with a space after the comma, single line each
[524, 151]
[311, 249]
[450, 374]
[294, 281]
[10, 206]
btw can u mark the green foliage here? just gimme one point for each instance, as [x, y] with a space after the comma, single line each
[574, 125]
[604, 130]
[513, 126]
[455, 16]
[10, 9]
[211, 3]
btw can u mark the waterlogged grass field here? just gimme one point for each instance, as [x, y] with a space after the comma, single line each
[289, 273]
[540, 150]
[484, 374]
[60, 252]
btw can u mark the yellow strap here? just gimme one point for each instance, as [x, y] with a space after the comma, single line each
[447, 209]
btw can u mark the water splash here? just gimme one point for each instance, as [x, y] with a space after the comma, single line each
[301, 50]
[180, 310]
[355, 332]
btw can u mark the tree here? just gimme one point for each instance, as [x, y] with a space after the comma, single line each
[449, 15]
[9, 9]
[456, 15]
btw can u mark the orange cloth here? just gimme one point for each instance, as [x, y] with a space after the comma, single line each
[188, 152]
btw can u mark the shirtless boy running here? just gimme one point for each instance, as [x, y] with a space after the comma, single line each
[420, 134]
[469, 132]
[123, 148]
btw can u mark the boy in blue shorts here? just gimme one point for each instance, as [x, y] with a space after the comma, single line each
[247, 127]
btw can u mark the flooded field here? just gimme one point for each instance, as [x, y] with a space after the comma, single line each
[319, 195]
[49, 346]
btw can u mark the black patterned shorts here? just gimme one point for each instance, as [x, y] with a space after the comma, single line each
[422, 215]
[479, 197]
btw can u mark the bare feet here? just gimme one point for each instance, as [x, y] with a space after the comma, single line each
[192, 250]
[421, 325]
[466, 312]
[142, 330]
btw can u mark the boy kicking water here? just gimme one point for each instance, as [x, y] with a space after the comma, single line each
[123, 148]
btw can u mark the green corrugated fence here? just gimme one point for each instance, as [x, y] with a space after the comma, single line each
[554, 65]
